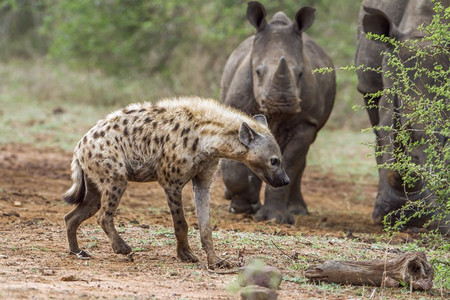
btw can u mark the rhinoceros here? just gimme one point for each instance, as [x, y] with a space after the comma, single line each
[400, 20]
[270, 73]
[368, 52]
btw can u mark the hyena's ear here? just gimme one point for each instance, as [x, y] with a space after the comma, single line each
[247, 135]
[261, 119]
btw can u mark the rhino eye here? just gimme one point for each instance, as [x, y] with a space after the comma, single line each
[300, 74]
[275, 161]
[259, 71]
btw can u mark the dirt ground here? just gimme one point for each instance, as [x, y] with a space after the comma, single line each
[33, 254]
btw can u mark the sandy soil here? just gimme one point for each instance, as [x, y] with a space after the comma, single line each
[33, 254]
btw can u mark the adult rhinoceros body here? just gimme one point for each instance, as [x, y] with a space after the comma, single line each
[399, 20]
[271, 73]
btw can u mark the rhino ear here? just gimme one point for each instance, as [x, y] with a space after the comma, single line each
[376, 21]
[247, 135]
[256, 15]
[304, 18]
[260, 119]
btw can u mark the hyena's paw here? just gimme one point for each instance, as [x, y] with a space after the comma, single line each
[187, 255]
[81, 255]
[216, 262]
[120, 247]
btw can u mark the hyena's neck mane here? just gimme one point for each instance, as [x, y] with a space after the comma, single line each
[216, 126]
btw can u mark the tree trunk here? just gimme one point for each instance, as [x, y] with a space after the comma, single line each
[409, 269]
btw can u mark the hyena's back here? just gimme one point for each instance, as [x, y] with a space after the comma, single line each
[148, 142]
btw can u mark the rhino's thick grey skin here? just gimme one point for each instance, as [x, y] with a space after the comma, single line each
[368, 52]
[379, 18]
[271, 73]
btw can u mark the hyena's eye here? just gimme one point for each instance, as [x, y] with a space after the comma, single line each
[275, 161]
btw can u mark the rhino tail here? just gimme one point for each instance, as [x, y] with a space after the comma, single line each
[75, 194]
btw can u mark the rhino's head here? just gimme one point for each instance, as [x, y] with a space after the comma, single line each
[277, 60]
[393, 193]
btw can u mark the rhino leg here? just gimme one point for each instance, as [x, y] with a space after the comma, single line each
[242, 187]
[283, 203]
[296, 203]
[372, 111]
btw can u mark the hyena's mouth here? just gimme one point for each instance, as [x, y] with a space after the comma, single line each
[275, 182]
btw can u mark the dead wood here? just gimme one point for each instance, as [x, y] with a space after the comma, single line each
[409, 269]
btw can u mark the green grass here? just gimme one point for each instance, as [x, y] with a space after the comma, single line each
[309, 251]
[343, 152]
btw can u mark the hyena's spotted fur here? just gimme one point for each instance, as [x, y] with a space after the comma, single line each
[172, 142]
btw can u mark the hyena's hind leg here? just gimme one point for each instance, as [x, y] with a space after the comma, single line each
[111, 196]
[174, 200]
[83, 211]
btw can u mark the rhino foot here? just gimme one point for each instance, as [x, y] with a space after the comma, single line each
[281, 217]
[298, 210]
[228, 194]
[244, 208]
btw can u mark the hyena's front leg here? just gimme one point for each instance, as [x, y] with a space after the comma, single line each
[174, 200]
[201, 184]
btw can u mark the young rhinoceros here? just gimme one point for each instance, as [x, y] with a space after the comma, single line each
[271, 73]
[172, 142]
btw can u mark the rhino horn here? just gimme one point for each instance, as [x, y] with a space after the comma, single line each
[282, 77]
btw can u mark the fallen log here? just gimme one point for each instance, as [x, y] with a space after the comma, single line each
[411, 269]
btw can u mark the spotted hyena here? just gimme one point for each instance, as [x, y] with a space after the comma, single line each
[172, 142]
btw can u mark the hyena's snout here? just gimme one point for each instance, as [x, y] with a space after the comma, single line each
[279, 179]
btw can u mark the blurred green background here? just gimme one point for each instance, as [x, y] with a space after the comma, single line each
[66, 63]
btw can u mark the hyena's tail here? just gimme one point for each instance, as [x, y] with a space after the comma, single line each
[76, 192]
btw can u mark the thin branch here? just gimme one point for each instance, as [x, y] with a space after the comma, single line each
[290, 256]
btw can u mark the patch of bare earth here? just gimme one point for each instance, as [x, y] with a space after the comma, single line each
[33, 254]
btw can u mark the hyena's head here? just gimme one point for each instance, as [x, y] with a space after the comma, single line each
[264, 155]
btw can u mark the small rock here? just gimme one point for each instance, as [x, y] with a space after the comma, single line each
[17, 204]
[58, 110]
[34, 221]
[256, 292]
[11, 213]
[3, 256]
[261, 275]
[69, 278]
[47, 272]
